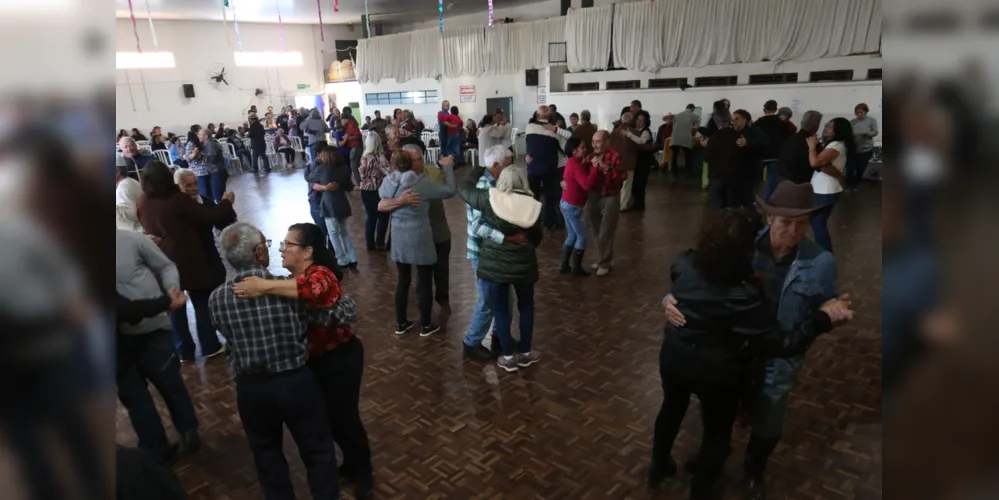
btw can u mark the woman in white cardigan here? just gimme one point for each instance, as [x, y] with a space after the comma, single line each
[492, 133]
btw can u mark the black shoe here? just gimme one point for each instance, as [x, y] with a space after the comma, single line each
[477, 352]
[402, 328]
[190, 442]
[364, 486]
[168, 453]
[495, 347]
[577, 264]
[754, 488]
[428, 330]
[563, 267]
[658, 472]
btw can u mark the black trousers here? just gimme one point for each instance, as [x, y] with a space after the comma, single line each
[424, 290]
[546, 190]
[719, 405]
[339, 374]
[728, 193]
[442, 272]
[674, 158]
[289, 155]
[376, 224]
[266, 403]
[641, 173]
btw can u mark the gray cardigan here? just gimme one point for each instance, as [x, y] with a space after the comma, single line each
[412, 238]
[142, 271]
[334, 203]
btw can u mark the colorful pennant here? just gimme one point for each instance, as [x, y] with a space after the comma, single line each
[319, 5]
[135, 29]
[490, 12]
[235, 23]
[367, 19]
[440, 8]
[156, 45]
[336, 5]
[280, 26]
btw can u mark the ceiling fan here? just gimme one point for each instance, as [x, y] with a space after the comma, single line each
[217, 77]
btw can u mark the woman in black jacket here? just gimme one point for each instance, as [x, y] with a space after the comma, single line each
[729, 324]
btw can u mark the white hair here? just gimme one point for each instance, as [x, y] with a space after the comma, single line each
[372, 144]
[180, 173]
[238, 243]
[513, 179]
[126, 140]
[494, 155]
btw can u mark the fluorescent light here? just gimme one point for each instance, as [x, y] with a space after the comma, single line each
[269, 59]
[144, 60]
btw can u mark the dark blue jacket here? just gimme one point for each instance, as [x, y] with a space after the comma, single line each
[543, 148]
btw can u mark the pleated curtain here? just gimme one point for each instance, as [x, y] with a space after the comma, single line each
[512, 48]
[588, 38]
[464, 51]
[405, 56]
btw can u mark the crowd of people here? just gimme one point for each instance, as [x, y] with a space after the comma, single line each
[735, 336]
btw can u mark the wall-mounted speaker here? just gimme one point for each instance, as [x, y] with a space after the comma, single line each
[532, 78]
[188, 90]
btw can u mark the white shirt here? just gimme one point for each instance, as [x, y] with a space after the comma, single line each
[823, 183]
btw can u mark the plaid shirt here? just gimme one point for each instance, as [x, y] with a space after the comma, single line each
[477, 229]
[265, 334]
[319, 288]
[608, 183]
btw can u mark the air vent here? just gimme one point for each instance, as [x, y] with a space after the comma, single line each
[575, 87]
[774, 78]
[844, 75]
[624, 84]
[874, 74]
[716, 81]
[666, 83]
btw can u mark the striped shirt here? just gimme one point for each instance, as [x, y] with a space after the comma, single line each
[477, 229]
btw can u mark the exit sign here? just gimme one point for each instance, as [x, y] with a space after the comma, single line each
[303, 86]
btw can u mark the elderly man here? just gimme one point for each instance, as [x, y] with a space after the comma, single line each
[134, 160]
[126, 193]
[604, 205]
[378, 125]
[792, 162]
[497, 159]
[585, 130]
[442, 132]
[274, 387]
[544, 142]
[145, 353]
[783, 256]
[681, 141]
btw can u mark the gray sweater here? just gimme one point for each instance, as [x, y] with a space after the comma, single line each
[865, 125]
[142, 271]
[412, 236]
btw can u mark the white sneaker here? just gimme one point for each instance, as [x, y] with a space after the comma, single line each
[603, 271]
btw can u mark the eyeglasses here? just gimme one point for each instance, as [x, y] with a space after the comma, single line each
[285, 244]
[266, 243]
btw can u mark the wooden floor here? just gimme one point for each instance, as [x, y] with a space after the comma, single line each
[579, 424]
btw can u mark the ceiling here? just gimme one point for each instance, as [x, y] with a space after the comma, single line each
[306, 11]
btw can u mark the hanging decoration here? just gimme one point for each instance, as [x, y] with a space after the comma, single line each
[280, 25]
[367, 19]
[235, 23]
[319, 5]
[135, 29]
[490, 12]
[152, 30]
[225, 25]
[336, 5]
[440, 8]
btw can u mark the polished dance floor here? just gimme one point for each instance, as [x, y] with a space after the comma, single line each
[579, 424]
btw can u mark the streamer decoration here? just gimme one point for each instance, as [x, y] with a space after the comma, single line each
[367, 19]
[490, 12]
[281, 26]
[225, 25]
[156, 45]
[336, 5]
[235, 23]
[319, 6]
[135, 29]
[440, 8]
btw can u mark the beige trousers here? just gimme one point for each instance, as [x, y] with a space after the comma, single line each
[602, 214]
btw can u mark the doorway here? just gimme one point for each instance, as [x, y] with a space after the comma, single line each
[504, 104]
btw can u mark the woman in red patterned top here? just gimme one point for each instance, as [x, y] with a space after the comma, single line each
[336, 356]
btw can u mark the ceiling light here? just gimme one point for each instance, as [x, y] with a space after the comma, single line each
[144, 60]
[269, 59]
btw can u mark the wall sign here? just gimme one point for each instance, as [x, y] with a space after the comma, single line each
[542, 94]
[467, 93]
[303, 86]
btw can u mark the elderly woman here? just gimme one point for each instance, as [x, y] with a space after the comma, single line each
[178, 221]
[374, 168]
[336, 356]
[205, 158]
[332, 178]
[315, 129]
[126, 195]
[492, 131]
[730, 322]
[412, 237]
[510, 207]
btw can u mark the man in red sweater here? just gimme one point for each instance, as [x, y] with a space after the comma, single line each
[441, 127]
[604, 204]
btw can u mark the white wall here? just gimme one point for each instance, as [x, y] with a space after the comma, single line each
[196, 46]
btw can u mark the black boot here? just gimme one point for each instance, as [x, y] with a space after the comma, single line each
[563, 267]
[577, 264]
[658, 472]
[758, 452]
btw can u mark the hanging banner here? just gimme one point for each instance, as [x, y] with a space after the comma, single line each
[467, 93]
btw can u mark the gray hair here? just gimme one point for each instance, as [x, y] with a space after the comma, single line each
[238, 242]
[494, 155]
[584, 115]
[514, 179]
[811, 121]
[412, 148]
[126, 140]
[180, 173]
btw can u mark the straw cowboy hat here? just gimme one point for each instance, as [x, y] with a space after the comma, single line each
[790, 200]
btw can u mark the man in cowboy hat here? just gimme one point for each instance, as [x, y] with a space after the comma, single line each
[799, 277]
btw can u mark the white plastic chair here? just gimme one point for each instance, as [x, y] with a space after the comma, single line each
[472, 157]
[513, 141]
[296, 144]
[142, 144]
[163, 156]
[230, 151]
[426, 137]
[431, 156]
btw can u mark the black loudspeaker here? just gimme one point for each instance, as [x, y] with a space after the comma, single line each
[532, 78]
[188, 90]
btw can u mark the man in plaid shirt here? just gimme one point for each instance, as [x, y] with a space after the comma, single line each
[498, 158]
[604, 205]
[274, 387]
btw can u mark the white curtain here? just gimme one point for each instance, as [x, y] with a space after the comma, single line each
[416, 54]
[694, 33]
[588, 37]
[512, 48]
[464, 51]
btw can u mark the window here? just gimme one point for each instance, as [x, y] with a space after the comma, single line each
[574, 87]
[843, 75]
[666, 83]
[415, 97]
[874, 74]
[625, 84]
[556, 53]
[715, 81]
[773, 78]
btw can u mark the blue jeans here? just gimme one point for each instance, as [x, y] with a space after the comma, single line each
[772, 178]
[453, 147]
[575, 228]
[820, 220]
[499, 294]
[260, 154]
[213, 185]
[482, 317]
[206, 329]
[341, 241]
